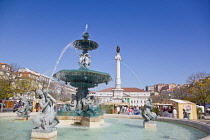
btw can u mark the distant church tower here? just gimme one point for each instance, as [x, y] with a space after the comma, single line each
[118, 92]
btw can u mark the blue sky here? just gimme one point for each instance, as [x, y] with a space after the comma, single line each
[162, 41]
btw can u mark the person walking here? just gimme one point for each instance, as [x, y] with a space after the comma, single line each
[130, 111]
[174, 113]
[118, 110]
[184, 114]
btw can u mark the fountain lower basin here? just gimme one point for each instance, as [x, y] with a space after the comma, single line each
[112, 129]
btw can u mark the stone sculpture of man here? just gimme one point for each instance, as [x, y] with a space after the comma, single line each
[25, 108]
[147, 113]
[47, 119]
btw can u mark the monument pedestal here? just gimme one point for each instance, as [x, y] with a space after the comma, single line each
[149, 124]
[43, 134]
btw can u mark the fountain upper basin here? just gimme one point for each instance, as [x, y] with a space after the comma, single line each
[88, 45]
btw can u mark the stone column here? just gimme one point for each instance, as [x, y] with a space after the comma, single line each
[118, 80]
[118, 91]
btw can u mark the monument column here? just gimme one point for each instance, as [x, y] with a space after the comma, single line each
[118, 80]
[118, 91]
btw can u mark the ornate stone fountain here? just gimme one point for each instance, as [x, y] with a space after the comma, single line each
[83, 109]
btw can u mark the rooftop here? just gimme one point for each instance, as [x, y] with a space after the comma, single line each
[124, 90]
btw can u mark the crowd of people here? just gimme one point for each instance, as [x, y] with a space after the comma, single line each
[167, 112]
[128, 110]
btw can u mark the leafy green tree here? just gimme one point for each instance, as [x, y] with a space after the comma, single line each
[6, 85]
[200, 92]
[25, 86]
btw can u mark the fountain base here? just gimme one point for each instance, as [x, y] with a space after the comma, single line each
[149, 124]
[79, 120]
[24, 118]
[43, 134]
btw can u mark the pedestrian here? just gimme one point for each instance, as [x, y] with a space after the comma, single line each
[118, 110]
[130, 110]
[184, 114]
[17, 106]
[174, 113]
[123, 109]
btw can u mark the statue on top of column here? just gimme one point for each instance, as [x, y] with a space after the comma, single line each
[118, 49]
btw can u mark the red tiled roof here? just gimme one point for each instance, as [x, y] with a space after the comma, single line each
[171, 89]
[4, 64]
[125, 90]
[91, 92]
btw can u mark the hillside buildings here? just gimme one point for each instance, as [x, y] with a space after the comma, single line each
[160, 88]
[30, 80]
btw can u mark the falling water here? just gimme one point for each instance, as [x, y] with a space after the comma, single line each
[133, 73]
[86, 28]
[57, 62]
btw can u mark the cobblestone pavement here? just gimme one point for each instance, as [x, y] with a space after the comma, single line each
[204, 121]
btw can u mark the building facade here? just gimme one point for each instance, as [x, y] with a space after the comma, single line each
[132, 96]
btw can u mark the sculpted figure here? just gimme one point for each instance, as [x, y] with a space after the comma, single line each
[78, 109]
[47, 118]
[89, 106]
[118, 49]
[25, 108]
[147, 113]
[73, 105]
[84, 60]
[65, 108]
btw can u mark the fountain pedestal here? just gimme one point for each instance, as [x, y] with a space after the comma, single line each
[78, 120]
[149, 124]
[92, 122]
[43, 134]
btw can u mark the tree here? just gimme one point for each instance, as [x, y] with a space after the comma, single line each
[200, 92]
[14, 67]
[8, 82]
[157, 98]
[25, 86]
[180, 93]
[196, 76]
[6, 85]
